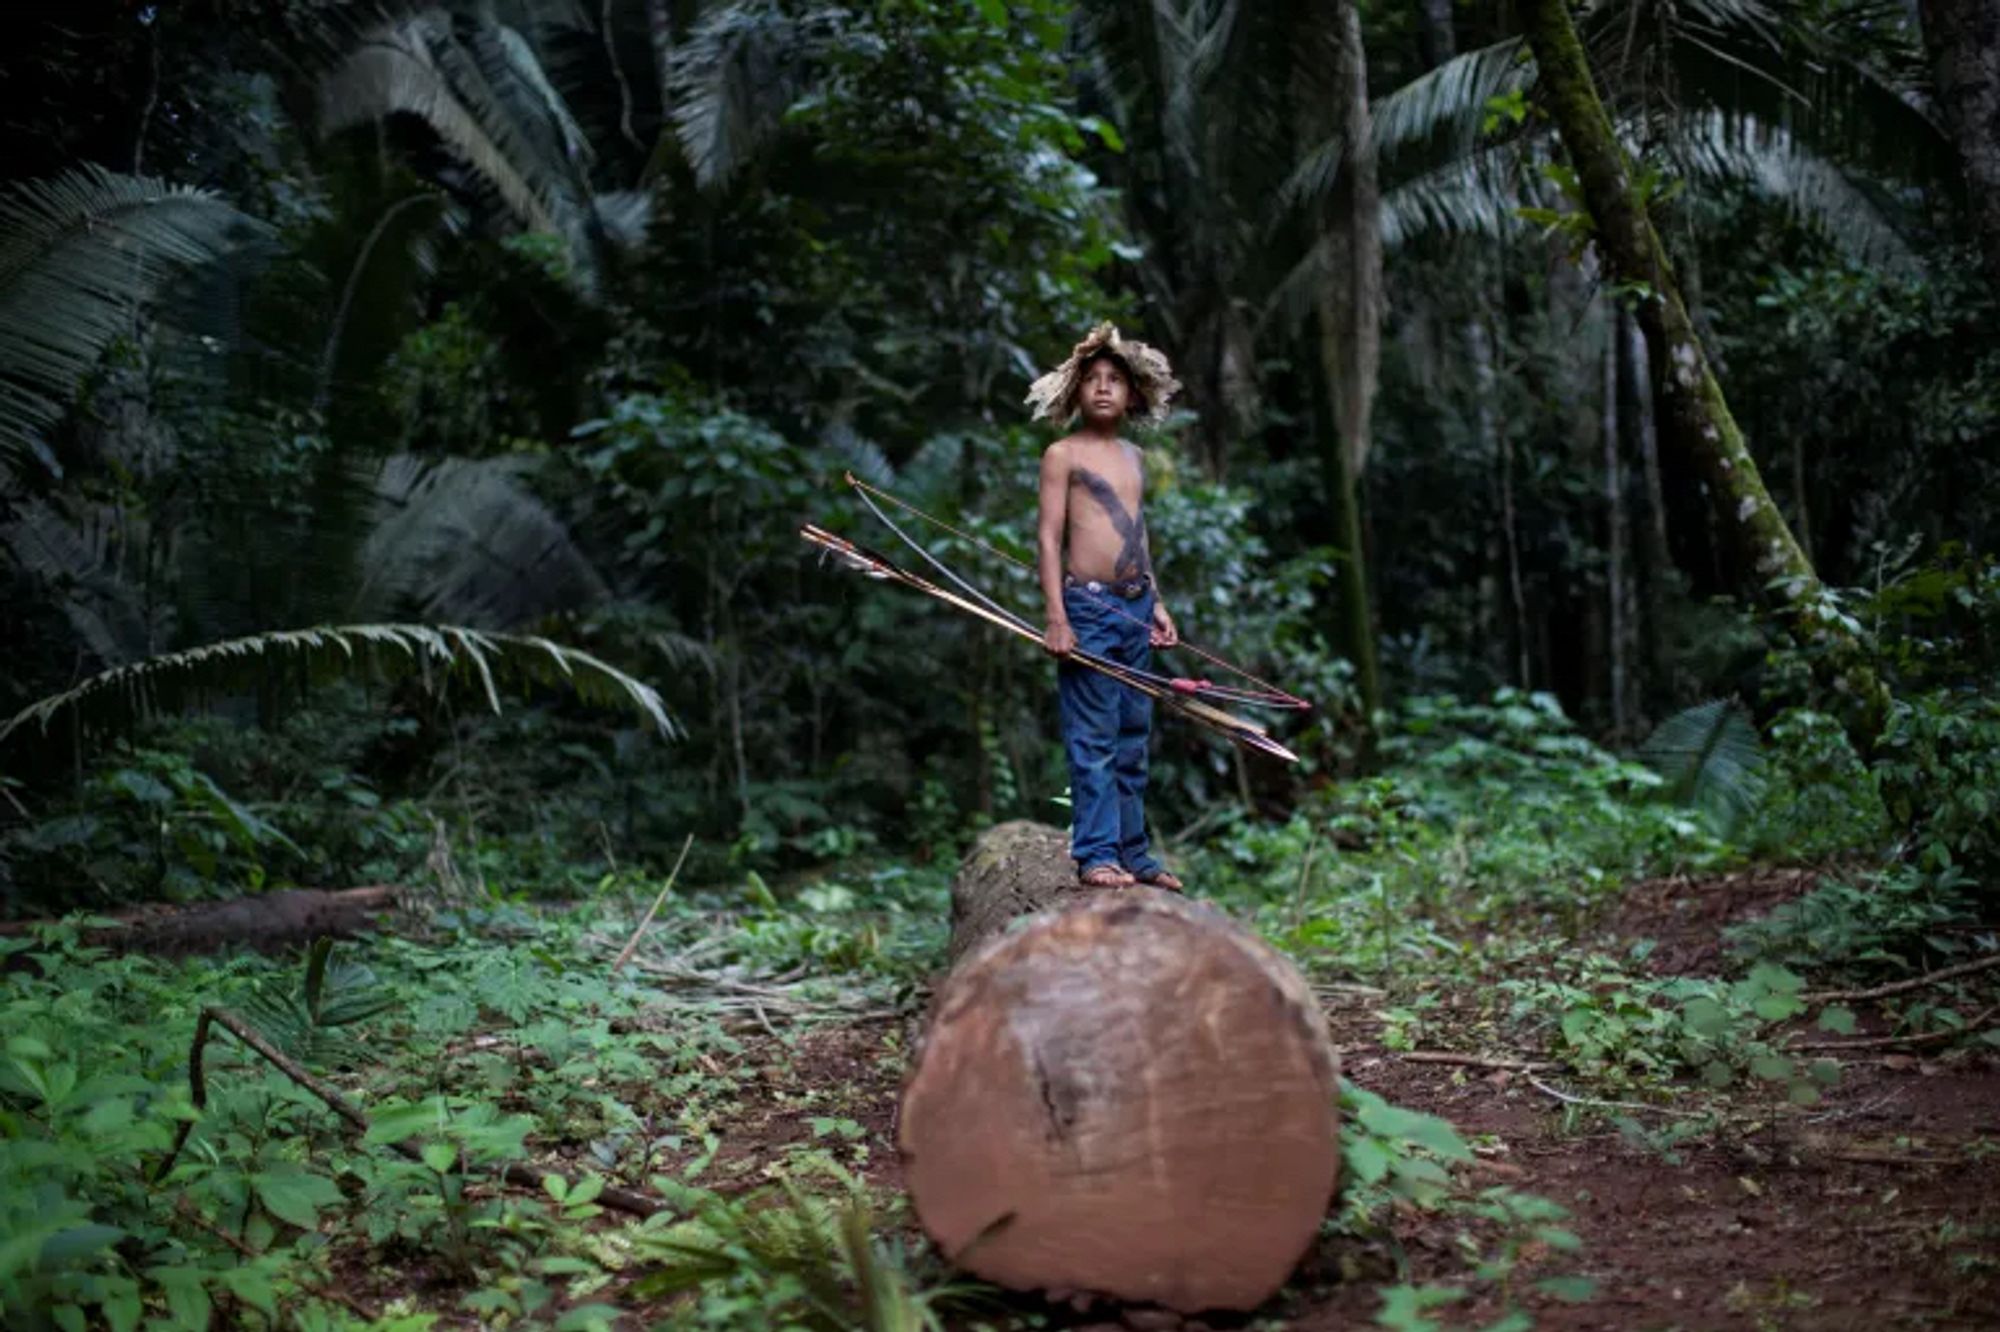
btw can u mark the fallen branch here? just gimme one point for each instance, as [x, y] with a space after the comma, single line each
[265, 921]
[623, 1200]
[625, 953]
[186, 1211]
[1904, 986]
[1568, 1099]
[1864, 1156]
[1469, 1061]
[1979, 1023]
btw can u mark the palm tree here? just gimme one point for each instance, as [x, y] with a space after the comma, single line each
[82, 257]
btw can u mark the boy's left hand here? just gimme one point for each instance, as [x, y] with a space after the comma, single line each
[1164, 634]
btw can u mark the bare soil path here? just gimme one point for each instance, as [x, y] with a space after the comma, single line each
[1877, 1208]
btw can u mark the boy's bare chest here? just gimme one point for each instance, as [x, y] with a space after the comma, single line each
[1107, 488]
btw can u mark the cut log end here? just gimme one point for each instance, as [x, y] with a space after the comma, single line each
[1132, 1097]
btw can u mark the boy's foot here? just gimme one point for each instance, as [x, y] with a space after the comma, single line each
[1106, 875]
[1158, 877]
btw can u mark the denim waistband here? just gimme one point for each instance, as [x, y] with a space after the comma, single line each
[1131, 589]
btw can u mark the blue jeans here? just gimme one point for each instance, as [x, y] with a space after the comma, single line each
[1106, 726]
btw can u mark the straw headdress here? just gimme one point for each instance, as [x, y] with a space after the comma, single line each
[1153, 382]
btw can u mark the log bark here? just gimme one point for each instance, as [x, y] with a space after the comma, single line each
[1126, 1095]
[266, 922]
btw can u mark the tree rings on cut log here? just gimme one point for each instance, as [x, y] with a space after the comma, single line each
[1132, 1097]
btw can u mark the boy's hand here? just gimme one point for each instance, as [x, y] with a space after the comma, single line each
[1059, 640]
[1164, 634]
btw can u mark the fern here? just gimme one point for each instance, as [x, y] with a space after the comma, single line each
[464, 541]
[80, 255]
[814, 1261]
[1712, 760]
[417, 67]
[115, 699]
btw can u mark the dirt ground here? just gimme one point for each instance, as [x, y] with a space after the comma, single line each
[1877, 1208]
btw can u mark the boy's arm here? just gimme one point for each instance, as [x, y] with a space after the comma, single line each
[1058, 638]
[1164, 633]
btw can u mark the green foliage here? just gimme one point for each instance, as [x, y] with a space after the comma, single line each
[789, 1259]
[112, 700]
[1866, 922]
[1626, 1031]
[1711, 758]
[83, 254]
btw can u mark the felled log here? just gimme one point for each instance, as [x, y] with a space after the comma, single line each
[266, 922]
[1128, 1095]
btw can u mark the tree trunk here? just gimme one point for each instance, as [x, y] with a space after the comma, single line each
[1617, 657]
[1688, 396]
[1499, 445]
[1350, 347]
[1128, 1096]
[1964, 41]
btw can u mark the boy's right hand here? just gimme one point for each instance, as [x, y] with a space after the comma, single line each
[1059, 640]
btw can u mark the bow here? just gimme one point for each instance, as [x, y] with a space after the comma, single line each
[1191, 698]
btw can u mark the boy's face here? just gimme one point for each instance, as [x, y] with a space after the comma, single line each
[1105, 394]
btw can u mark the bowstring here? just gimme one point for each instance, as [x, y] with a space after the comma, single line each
[1276, 696]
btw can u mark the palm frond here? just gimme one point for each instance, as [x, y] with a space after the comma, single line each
[863, 457]
[463, 540]
[1447, 103]
[1712, 759]
[115, 699]
[307, 1018]
[1719, 147]
[73, 551]
[416, 67]
[732, 81]
[80, 254]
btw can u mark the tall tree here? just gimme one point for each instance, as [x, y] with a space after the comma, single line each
[1350, 343]
[1690, 398]
[1963, 37]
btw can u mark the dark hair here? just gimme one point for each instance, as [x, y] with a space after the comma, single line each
[1139, 403]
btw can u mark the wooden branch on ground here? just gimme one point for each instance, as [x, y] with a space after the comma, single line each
[618, 1199]
[625, 953]
[1594, 1104]
[1977, 1024]
[186, 1211]
[1904, 986]
[265, 921]
[1469, 1061]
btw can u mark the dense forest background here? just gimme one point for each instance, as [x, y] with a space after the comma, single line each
[1621, 481]
[535, 319]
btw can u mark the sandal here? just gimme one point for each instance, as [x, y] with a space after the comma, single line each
[1160, 877]
[1106, 875]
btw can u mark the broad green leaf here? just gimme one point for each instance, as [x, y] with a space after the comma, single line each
[395, 1121]
[1570, 1289]
[1368, 1161]
[1778, 1007]
[440, 1156]
[1771, 1067]
[66, 1247]
[252, 1286]
[1704, 1016]
[1838, 1020]
[295, 1196]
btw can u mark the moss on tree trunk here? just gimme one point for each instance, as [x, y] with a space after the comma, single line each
[1689, 398]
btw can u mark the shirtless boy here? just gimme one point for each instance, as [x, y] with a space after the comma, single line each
[1097, 580]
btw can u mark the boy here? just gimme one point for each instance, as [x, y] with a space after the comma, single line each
[1102, 598]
